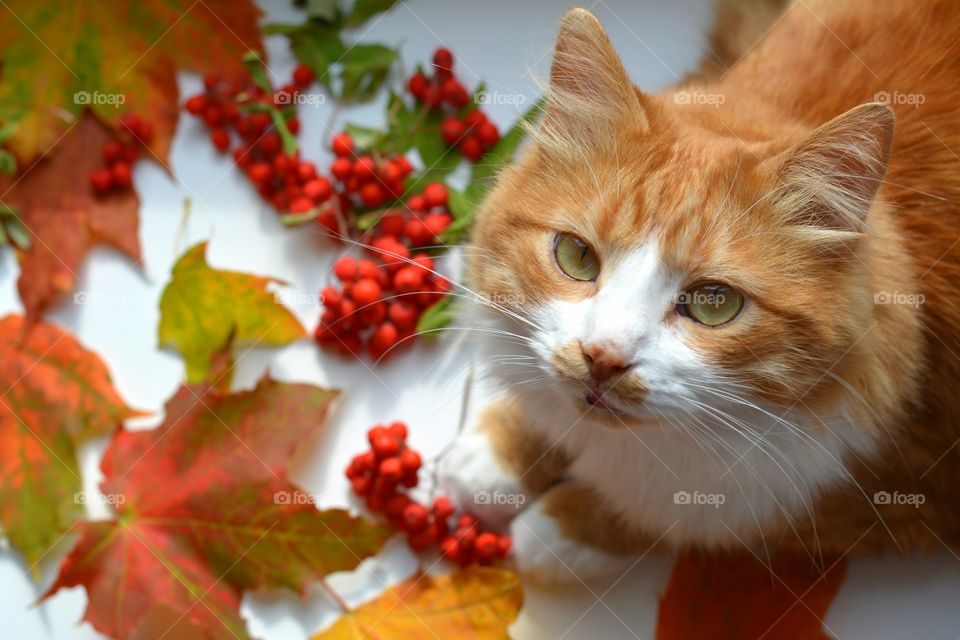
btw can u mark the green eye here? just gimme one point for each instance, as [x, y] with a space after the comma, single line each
[575, 258]
[711, 304]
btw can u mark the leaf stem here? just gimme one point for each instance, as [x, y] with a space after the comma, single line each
[336, 597]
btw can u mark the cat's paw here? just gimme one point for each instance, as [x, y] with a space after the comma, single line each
[478, 483]
[543, 554]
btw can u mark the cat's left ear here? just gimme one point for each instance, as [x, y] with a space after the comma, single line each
[830, 178]
[590, 93]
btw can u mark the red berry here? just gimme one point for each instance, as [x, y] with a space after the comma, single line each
[488, 134]
[341, 168]
[211, 80]
[415, 517]
[454, 93]
[328, 220]
[220, 139]
[442, 508]
[474, 118]
[504, 543]
[436, 194]
[450, 549]
[112, 152]
[372, 314]
[391, 470]
[451, 130]
[443, 59]
[487, 547]
[398, 429]
[408, 280]
[417, 203]
[196, 104]
[402, 314]
[270, 144]
[364, 167]
[383, 339]
[423, 261]
[345, 268]
[418, 233]
[437, 223]
[423, 539]
[342, 145]
[366, 291]
[293, 125]
[306, 171]
[302, 75]
[472, 148]
[467, 521]
[213, 115]
[361, 485]
[410, 460]
[260, 172]
[120, 175]
[386, 446]
[101, 180]
[318, 189]
[418, 85]
[392, 224]
[372, 194]
[301, 205]
[396, 505]
[367, 269]
[403, 164]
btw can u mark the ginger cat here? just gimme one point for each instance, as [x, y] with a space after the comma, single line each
[732, 311]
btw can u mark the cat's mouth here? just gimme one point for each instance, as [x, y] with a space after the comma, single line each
[596, 400]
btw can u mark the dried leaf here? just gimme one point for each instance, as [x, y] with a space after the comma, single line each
[205, 512]
[736, 597]
[201, 307]
[471, 603]
[55, 394]
[60, 59]
[56, 205]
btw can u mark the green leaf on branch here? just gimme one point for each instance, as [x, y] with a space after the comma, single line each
[437, 316]
[315, 44]
[365, 138]
[363, 10]
[364, 69]
[325, 10]
[502, 153]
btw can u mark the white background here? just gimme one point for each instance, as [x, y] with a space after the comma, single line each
[502, 43]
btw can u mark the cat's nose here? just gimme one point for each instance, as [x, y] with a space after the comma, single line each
[604, 360]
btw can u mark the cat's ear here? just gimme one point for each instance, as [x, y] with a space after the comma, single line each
[830, 178]
[590, 93]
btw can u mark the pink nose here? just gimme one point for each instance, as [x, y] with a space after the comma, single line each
[603, 361]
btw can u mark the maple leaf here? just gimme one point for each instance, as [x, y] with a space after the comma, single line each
[55, 393]
[477, 602]
[55, 205]
[205, 511]
[736, 597]
[201, 308]
[62, 58]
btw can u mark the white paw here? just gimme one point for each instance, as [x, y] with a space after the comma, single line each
[476, 482]
[544, 555]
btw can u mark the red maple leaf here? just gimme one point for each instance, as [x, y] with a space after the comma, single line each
[205, 511]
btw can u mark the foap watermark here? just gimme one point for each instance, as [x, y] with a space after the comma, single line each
[297, 298]
[293, 497]
[96, 98]
[502, 298]
[699, 98]
[888, 498]
[98, 299]
[499, 97]
[700, 297]
[285, 98]
[499, 498]
[897, 297]
[899, 98]
[697, 498]
[95, 497]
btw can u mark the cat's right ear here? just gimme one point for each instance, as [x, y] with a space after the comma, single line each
[590, 94]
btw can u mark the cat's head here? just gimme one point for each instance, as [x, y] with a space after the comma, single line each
[660, 255]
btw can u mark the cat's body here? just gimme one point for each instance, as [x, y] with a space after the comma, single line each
[836, 382]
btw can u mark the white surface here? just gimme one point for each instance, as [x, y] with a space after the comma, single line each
[496, 41]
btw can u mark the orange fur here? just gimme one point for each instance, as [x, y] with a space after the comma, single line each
[747, 192]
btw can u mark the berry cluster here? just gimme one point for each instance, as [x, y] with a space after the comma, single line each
[120, 154]
[242, 112]
[379, 302]
[382, 476]
[473, 134]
